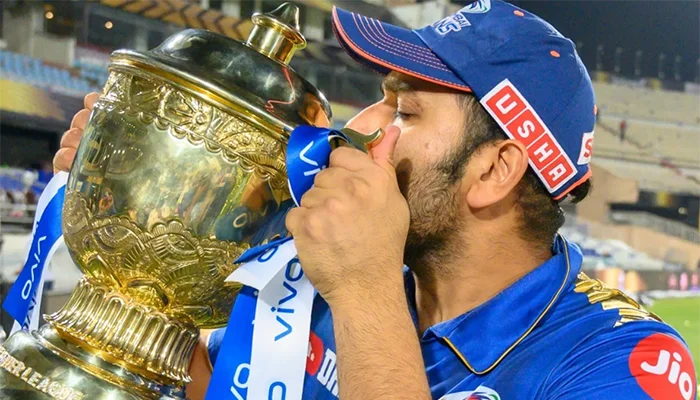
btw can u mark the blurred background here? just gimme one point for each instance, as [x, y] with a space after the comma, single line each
[639, 228]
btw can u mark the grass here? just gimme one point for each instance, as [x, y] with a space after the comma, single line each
[684, 315]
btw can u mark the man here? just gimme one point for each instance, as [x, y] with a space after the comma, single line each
[489, 115]
[623, 130]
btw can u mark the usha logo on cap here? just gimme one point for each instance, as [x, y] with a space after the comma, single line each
[520, 121]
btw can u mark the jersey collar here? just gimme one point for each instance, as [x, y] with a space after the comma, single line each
[481, 338]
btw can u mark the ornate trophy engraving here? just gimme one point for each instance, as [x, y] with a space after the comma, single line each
[180, 170]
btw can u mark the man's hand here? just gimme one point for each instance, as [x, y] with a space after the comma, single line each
[350, 232]
[64, 157]
[351, 228]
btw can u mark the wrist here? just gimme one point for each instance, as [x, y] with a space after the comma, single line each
[368, 295]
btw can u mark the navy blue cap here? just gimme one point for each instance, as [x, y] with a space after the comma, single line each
[523, 71]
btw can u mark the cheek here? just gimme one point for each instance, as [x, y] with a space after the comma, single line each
[418, 147]
[410, 158]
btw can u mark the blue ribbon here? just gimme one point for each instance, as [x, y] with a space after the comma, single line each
[20, 297]
[308, 152]
[230, 376]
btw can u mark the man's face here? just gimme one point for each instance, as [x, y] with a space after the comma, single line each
[431, 122]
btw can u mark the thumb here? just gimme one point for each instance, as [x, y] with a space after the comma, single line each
[383, 152]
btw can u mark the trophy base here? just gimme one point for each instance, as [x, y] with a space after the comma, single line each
[42, 365]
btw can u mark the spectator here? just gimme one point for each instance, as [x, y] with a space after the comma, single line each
[623, 129]
[45, 172]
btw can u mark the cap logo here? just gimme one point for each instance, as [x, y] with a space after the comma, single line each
[452, 23]
[520, 122]
[586, 149]
[478, 7]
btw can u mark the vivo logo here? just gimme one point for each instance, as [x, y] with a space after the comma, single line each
[292, 273]
[27, 288]
[671, 370]
[238, 383]
[315, 169]
[277, 390]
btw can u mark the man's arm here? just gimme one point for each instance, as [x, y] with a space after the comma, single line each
[379, 355]
[200, 368]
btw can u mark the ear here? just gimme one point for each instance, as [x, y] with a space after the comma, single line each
[500, 167]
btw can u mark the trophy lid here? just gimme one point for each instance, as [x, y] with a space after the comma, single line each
[252, 78]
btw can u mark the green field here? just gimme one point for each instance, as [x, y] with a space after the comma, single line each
[684, 315]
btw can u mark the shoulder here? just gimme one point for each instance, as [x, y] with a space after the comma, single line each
[614, 347]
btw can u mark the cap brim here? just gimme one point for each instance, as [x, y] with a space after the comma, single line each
[384, 48]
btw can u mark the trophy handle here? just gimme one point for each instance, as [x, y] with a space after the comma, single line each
[358, 140]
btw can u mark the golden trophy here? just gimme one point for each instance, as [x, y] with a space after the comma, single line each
[181, 168]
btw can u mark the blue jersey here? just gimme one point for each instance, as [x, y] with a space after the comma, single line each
[554, 334]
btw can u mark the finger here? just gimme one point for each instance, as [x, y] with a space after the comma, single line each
[316, 197]
[293, 219]
[330, 178]
[90, 100]
[349, 158]
[71, 138]
[383, 152]
[63, 159]
[80, 119]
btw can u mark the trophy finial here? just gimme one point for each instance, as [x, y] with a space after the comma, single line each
[276, 34]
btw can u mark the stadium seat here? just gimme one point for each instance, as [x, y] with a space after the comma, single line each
[33, 71]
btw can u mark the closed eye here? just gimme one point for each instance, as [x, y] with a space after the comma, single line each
[402, 115]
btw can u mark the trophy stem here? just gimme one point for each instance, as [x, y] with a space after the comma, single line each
[121, 331]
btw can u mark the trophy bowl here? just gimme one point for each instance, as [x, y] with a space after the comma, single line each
[181, 168]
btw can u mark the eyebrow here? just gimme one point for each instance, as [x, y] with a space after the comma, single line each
[395, 84]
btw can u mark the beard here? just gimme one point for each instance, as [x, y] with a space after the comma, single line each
[432, 198]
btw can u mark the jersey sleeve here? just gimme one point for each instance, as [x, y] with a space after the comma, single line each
[634, 361]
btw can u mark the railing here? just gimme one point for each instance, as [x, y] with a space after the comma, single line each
[17, 214]
[656, 223]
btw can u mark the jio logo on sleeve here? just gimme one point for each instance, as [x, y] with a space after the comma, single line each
[663, 368]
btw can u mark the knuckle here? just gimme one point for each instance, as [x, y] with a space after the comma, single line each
[340, 155]
[295, 220]
[322, 176]
[333, 205]
[307, 199]
[290, 219]
[336, 156]
[314, 224]
[358, 187]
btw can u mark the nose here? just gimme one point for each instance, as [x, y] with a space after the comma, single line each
[367, 121]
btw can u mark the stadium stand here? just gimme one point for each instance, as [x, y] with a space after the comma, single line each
[651, 177]
[661, 144]
[93, 72]
[22, 68]
[654, 140]
[646, 104]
